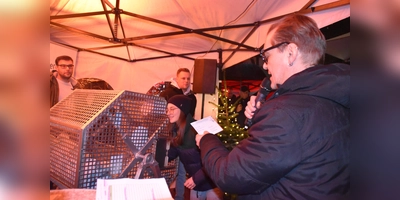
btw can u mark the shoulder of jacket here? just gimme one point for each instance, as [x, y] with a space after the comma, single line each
[53, 80]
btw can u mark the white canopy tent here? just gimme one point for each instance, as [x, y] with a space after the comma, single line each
[134, 44]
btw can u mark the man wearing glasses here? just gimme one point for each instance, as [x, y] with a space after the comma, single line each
[298, 145]
[61, 82]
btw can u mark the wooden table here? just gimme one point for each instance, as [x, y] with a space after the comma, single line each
[73, 194]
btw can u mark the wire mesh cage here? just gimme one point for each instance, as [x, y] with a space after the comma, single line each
[106, 134]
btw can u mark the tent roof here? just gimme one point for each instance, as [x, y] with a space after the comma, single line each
[151, 30]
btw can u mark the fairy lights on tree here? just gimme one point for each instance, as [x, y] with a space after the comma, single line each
[232, 133]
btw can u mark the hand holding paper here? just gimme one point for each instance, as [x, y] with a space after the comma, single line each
[206, 124]
[198, 138]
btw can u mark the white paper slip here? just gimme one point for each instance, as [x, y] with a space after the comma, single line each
[206, 124]
[132, 189]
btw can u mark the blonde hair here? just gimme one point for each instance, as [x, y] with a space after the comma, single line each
[304, 32]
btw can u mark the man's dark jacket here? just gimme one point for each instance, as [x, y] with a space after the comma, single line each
[54, 89]
[298, 145]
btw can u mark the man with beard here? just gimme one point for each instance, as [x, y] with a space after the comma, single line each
[61, 82]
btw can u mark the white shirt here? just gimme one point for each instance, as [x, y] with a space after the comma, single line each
[64, 88]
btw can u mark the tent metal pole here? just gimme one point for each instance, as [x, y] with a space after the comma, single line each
[202, 105]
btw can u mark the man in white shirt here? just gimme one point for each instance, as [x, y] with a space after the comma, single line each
[61, 82]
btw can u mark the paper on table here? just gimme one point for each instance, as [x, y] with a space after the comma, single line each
[206, 124]
[132, 189]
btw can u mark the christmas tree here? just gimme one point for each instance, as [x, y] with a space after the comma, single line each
[232, 133]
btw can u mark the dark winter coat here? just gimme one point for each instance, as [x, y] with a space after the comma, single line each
[189, 155]
[298, 145]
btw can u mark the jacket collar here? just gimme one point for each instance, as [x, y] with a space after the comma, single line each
[175, 84]
[325, 81]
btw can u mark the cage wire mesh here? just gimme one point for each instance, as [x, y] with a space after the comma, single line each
[87, 130]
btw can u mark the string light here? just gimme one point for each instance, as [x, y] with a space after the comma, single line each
[226, 114]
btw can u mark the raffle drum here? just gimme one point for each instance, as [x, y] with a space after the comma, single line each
[107, 134]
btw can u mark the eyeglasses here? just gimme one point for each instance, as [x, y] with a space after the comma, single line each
[170, 110]
[65, 66]
[265, 58]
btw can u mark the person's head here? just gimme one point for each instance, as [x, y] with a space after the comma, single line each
[293, 44]
[244, 92]
[183, 78]
[178, 108]
[65, 67]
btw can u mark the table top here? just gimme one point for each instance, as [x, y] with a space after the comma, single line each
[73, 194]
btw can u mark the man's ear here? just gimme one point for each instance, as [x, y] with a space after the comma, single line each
[293, 52]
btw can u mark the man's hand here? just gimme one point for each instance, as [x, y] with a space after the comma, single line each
[198, 138]
[251, 107]
[189, 183]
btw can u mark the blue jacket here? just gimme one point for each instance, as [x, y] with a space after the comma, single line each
[298, 145]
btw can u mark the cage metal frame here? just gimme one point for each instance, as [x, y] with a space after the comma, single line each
[88, 134]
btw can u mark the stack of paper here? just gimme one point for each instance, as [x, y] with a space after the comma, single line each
[132, 189]
[206, 124]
